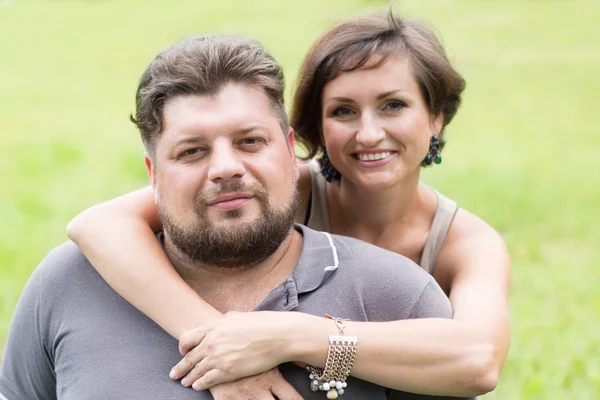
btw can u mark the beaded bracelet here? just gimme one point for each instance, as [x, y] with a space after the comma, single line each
[340, 358]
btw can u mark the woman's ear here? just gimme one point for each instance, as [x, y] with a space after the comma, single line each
[437, 123]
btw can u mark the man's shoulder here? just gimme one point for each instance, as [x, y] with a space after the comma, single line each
[389, 285]
[63, 266]
[64, 255]
[366, 261]
[359, 252]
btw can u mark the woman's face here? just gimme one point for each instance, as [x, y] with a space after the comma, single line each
[376, 125]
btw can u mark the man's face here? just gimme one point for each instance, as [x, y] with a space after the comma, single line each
[224, 176]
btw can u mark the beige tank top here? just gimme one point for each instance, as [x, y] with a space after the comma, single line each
[316, 216]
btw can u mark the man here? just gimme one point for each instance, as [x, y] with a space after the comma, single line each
[220, 157]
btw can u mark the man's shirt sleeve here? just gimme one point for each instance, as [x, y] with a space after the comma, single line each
[27, 370]
[432, 303]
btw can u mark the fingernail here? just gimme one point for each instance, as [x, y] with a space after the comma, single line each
[172, 374]
[196, 386]
[184, 382]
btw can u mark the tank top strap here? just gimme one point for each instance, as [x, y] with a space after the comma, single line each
[318, 219]
[444, 215]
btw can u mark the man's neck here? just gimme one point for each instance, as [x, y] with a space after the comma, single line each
[241, 288]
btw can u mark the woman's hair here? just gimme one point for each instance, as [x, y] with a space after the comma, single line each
[348, 46]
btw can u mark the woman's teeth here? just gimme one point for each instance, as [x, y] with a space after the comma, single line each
[373, 156]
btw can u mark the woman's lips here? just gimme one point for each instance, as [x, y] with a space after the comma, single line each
[373, 159]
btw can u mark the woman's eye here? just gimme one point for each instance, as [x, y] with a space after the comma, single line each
[341, 111]
[394, 105]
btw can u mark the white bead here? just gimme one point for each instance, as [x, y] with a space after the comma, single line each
[312, 376]
[326, 386]
[338, 385]
[340, 391]
[332, 383]
[344, 384]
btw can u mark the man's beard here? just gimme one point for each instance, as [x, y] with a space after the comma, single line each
[237, 245]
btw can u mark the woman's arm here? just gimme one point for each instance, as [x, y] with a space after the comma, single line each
[118, 239]
[462, 356]
[458, 357]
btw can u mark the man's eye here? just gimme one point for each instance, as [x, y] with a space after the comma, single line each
[394, 105]
[251, 144]
[341, 112]
[251, 141]
[190, 152]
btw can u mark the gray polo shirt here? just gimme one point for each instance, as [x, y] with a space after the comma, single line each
[73, 338]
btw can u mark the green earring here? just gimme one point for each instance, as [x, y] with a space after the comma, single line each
[327, 169]
[433, 155]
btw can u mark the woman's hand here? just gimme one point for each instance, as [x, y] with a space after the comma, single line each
[234, 347]
[265, 386]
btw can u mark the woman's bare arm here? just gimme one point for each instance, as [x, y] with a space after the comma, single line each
[459, 357]
[118, 239]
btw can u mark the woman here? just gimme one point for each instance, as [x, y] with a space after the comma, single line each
[374, 96]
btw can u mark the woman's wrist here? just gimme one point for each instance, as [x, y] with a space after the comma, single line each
[309, 339]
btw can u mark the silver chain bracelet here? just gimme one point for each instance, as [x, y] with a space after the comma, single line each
[340, 358]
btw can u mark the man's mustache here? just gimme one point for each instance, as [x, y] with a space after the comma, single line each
[231, 186]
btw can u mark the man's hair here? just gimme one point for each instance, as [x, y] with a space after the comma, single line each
[349, 45]
[203, 65]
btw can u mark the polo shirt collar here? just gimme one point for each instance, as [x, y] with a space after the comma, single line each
[318, 259]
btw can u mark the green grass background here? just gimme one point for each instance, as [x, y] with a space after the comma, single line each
[522, 152]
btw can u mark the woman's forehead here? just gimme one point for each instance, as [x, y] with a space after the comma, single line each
[391, 74]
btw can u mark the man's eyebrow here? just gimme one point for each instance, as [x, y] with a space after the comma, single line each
[189, 139]
[250, 128]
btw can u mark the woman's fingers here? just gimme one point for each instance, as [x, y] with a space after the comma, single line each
[188, 363]
[209, 379]
[197, 372]
[191, 339]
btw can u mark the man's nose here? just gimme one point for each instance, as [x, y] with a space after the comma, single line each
[370, 132]
[225, 163]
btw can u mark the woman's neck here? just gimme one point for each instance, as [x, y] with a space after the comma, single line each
[371, 215]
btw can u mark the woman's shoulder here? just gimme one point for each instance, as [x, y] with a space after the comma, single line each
[464, 224]
[468, 226]
[471, 243]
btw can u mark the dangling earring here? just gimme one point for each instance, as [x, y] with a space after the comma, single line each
[433, 155]
[327, 169]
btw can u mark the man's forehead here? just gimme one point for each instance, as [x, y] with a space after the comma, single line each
[228, 112]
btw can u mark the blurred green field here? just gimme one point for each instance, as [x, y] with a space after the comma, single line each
[522, 152]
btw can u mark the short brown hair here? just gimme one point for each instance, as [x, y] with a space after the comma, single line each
[348, 46]
[204, 65]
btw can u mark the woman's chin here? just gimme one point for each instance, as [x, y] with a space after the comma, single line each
[375, 181]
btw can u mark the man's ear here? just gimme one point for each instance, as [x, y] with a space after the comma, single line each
[151, 175]
[150, 170]
[291, 142]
